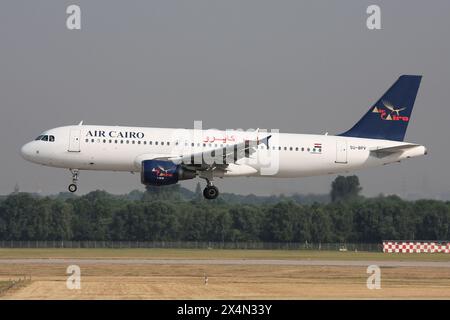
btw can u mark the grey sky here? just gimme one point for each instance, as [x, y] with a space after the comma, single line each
[299, 66]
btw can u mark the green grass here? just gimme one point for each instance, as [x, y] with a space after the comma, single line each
[214, 254]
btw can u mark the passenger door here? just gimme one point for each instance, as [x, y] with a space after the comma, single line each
[341, 151]
[74, 140]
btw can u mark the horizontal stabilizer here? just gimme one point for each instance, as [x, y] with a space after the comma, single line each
[384, 152]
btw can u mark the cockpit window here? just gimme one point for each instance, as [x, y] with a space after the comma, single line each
[45, 137]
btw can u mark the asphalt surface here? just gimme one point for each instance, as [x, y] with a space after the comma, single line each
[262, 262]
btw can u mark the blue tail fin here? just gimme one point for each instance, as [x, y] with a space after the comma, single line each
[389, 117]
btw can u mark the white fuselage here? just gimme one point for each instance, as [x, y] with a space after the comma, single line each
[113, 148]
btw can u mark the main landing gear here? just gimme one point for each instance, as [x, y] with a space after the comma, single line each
[73, 186]
[211, 191]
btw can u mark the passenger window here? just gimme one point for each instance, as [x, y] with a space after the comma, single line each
[162, 143]
[168, 143]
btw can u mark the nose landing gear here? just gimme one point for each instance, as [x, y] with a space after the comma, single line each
[73, 186]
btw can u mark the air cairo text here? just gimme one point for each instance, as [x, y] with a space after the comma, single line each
[115, 134]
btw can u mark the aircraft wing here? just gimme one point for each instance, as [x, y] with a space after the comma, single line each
[381, 152]
[224, 155]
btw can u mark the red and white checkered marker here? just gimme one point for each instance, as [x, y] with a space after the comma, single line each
[415, 247]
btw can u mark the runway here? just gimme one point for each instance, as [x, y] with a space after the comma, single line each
[262, 262]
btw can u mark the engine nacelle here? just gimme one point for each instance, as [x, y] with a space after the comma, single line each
[161, 173]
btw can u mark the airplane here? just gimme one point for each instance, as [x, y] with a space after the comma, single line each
[165, 156]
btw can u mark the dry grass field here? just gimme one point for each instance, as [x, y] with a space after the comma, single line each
[102, 281]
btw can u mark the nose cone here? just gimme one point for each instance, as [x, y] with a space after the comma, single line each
[26, 151]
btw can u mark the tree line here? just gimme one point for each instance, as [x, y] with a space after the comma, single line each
[173, 214]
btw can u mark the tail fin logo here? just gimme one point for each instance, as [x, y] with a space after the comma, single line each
[389, 112]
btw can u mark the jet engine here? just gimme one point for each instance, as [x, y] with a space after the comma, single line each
[161, 173]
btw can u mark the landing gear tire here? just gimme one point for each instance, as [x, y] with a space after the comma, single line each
[75, 174]
[210, 192]
[73, 187]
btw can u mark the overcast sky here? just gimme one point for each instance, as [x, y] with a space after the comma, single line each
[297, 66]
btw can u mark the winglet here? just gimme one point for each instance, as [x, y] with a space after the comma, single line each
[265, 140]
